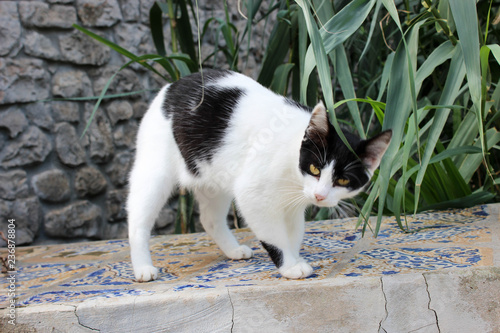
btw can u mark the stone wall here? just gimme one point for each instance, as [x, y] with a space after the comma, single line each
[57, 185]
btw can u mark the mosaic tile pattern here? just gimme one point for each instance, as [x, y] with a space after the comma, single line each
[74, 272]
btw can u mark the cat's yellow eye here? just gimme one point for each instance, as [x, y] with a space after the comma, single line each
[315, 171]
[343, 181]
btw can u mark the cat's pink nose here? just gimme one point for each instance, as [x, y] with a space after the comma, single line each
[320, 197]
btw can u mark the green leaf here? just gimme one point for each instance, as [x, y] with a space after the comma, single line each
[184, 32]
[465, 15]
[471, 163]
[335, 32]
[276, 51]
[399, 103]
[156, 26]
[280, 79]
[341, 67]
[321, 61]
[456, 75]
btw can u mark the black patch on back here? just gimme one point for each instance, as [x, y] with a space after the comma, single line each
[275, 253]
[199, 128]
[320, 150]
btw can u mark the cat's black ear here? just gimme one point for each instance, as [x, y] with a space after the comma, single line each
[374, 149]
[319, 120]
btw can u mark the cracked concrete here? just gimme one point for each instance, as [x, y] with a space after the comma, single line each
[407, 303]
[380, 328]
[78, 318]
[429, 303]
[466, 300]
[232, 307]
[449, 301]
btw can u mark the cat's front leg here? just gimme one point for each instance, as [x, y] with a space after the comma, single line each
[291, 267]
[280, 235]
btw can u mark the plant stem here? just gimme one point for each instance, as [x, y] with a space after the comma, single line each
[441, 21]
[183, 210]
[173, 25]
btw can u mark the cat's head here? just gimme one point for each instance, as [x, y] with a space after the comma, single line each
[331, 171]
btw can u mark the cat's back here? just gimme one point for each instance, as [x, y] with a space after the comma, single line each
[218, 109]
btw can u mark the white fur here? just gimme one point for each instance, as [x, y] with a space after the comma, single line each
[257, 165]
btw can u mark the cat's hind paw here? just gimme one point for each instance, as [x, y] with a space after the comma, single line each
[241, 252]
[145, 273]
[298, 271]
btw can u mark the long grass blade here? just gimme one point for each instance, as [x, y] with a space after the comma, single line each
[465, 16]
[452, 86]
[335, 32]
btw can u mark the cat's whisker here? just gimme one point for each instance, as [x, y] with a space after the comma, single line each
[352, 165]
[324, 157]
[315, 155]
[352, 175]
[324, 149]
[296, 204]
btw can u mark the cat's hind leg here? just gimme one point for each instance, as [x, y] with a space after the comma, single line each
[151, 182]
[213, 217]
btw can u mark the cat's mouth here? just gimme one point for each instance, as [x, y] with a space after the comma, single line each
[326, 203]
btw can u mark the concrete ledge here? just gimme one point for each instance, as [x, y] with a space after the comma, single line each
[446, 278]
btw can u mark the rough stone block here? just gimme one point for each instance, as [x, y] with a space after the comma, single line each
[14, 185]
[27, 215]
[65, 111]
[38, 45]
[119, 110]
[79, 219]
[81, 49]
[40, 115]
[140, 108]
[31, 147]
[115, 205]
[41, 15]
[130, 10]
[119, 169]
[125, 81]
[99, 13]
[13, 120]
[99, 136]
[68, 145]
[165, 221]
[23, 80]
[125, 135]
[116, 230]
[52, 185]
[136, 38]
[10, 27]
[145, 7]
[61, 1]
[71, 84]
[89, 181]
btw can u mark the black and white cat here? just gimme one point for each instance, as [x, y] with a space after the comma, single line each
[225, 136]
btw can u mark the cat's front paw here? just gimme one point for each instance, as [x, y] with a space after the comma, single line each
[145, 273]
[241, 252]
[298, 271]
